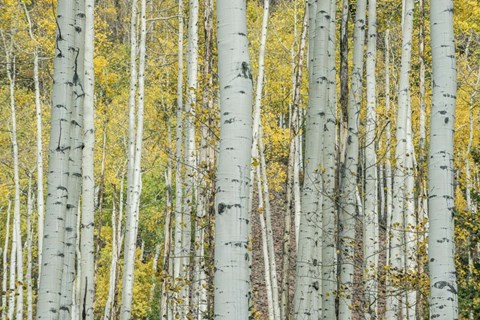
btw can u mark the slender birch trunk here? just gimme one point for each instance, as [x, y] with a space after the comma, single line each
[29, 244]
[75, 166]
[400, 200]
[59, 149]
[293, 169]
[17, 238]
[87, 280]
[388, 146]
[113, 270]
[308, 274]
[329, 153]
[201, 285]
[258, 153]
[12, 276]
[422, 192]
[190, 155]
[167, 236]
[5, 263]
[179, 160]
[133, 213]
[39, 153]
[231, 281]
[266, 257]
[370, 222]
[200, 290]
[443, 286]
[349, 204]
[410, 221]
[130, 219]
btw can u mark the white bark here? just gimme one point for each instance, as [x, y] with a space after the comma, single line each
[12, 276]
[177, 251]
[5, 263]
[87, 280]
[370, 221]
[29, 244]
[349, 207]
[266, 257]
[400, 200]
[39, 153]
[410, 221]
[232, 283]
[293, 183]
[443, 287]
[52, 251]
[133, 213]
[17, 238]
[75, 166]
[308, 286]
[164, 303]
[329, 205]
[388, 146]
[113, 264]
[258, 154]
[190, 154]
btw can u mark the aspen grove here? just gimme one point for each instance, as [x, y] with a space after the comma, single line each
[235, 160]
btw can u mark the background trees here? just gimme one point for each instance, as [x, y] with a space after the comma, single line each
[293, 149]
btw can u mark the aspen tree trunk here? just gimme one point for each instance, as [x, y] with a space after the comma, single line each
[5, 263]
[127, 280]
[349, 204]
[17, 238]
[232, 283]
[190, 155]
[308, 274]
[410, 221]
[266, 258]
[329, 153]
[39, 153]
[400, 201]
[87, 280]
[75, 166]
[343, 99]
[120, 236]
[179, 160]
[12, 275]
[370, 222]
[29, 249]
[258, 152]
[133, 214]
[268, 224]
[167, 236]
[113, 263]
[312, 13]
[388, 146]
[292, 196]
[443, 286]
[52, 250]
[422, 192]
[200, 290]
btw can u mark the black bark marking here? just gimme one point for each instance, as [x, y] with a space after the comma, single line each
[223, 206]
[246, 73]
[443, 284]
[84, 311]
